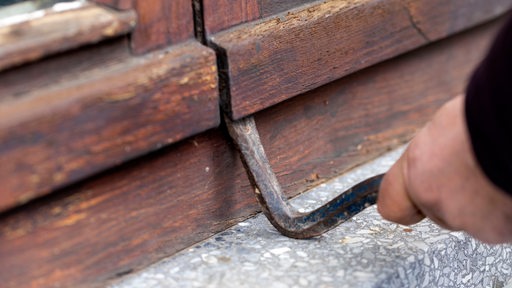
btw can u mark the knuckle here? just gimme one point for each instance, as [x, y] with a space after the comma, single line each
[422, 188]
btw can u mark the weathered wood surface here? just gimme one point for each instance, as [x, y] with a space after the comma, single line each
[221, 14]
[422, 11]
[161, 23]
[62, 68]
[280, 57]
[68, 129]
[157, 205]
[242, 11]
[58, 31]
[271, 7]
[438, 18]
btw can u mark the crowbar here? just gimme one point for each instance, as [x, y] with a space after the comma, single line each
[283, 217]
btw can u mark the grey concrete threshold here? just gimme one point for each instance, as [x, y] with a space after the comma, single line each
[365, 251]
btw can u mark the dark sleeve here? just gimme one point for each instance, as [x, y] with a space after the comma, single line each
[488, 109]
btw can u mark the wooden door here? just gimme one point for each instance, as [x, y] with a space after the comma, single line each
[113, 152]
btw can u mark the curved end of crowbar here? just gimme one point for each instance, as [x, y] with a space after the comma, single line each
[283, 217]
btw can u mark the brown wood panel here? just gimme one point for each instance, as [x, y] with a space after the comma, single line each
[161, 23]
[222, 14]
[273, 60]
[66, 131]
[118, 4]
[160, 204]
[56, 70]
[271, 7]
[59, 31]
[438, 18]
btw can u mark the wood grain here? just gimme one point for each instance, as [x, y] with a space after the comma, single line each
[273, 60]
[222, 14]
[161, 23]
[67, 131]
[438, 19]
[271, 7]
[127, 218]
[62, 68]
[59, 31]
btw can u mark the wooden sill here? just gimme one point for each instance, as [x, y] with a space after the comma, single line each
[99, 108]
[64, 26]
[279, 57]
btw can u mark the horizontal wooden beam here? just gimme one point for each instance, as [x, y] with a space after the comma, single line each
[145, 210]
[59, 129]
[72, 25]
[282, 56]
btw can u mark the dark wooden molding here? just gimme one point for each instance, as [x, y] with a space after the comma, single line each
[280, 57]
[147, 209]
[60, 130]
[161, 23]
[57, 31]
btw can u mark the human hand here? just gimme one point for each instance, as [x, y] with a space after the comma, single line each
[439, 177]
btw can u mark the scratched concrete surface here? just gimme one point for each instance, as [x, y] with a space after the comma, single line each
[365, 251]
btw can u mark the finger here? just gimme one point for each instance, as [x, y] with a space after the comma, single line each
[394, 203]
[439, 221]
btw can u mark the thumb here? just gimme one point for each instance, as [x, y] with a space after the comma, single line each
[394, 202]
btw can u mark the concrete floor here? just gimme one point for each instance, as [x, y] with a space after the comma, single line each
[365, 251]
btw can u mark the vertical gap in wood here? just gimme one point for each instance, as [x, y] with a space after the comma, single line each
[199, 28]
[222, 61]
[224, 86]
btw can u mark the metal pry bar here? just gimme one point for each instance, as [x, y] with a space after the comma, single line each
[285, 218]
